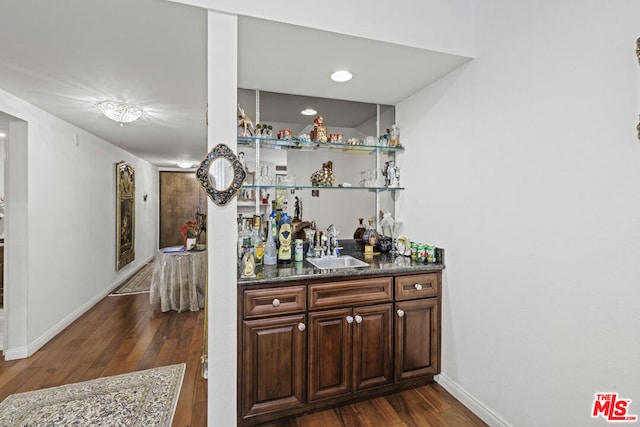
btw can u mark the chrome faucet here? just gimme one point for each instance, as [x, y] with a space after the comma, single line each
[332, 241]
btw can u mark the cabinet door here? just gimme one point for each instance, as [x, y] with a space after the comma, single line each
[372, 352]
[417, 346]
[273, 364]
[330, 353]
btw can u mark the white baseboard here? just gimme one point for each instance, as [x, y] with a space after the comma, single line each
[31, 348]
[477, 407]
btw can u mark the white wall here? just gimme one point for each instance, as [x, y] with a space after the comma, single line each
[66, 198]
[439, 25]
[532, 163]
[222, 93]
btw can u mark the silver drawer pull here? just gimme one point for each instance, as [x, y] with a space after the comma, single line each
[301, 327]
[418, 286]
[275, 302]
[358, 319]
[400, 313]
[349, 319]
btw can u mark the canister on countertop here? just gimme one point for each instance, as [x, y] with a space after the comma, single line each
[414, 251]
[298, 250]
[431, 254]
[422, 253]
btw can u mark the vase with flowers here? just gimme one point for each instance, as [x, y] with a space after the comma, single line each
[190, 231]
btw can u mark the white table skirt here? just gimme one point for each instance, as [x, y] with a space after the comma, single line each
[179, 280]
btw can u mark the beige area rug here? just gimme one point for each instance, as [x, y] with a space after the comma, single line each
[139, 283]
[145, 398]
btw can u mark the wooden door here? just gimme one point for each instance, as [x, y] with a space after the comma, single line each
[416, 339]
[272, 363]
[330, 353]
[372, 346]
[181, 196]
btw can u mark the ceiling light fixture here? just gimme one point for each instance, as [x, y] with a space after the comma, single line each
[184, 164]
[2, 134]
[309, 112]
[341, 76]
[119, 111]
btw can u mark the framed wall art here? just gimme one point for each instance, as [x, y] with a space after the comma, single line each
[125, 214]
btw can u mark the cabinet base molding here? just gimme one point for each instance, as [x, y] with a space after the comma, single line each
[333, 402]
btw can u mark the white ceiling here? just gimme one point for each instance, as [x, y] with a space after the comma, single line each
[64, 55]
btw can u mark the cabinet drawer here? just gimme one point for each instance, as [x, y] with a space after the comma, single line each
[350, 292]
[266, 302]
[417, 286]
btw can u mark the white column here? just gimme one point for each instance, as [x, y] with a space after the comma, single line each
[221, 225]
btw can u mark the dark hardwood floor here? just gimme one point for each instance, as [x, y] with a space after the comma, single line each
[125, 333]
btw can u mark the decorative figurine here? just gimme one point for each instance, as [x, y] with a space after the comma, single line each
[297, 210]
[242, 162]
[392, 174]
[245, 125]
[394, 136]
[319, 132]
[324, 177]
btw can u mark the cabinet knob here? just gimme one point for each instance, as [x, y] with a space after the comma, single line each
[349, 319]
[358, 319]
[418, 286]
[400, 313]
[275, 302]
[301, 327]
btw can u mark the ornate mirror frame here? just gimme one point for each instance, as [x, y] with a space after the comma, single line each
[221, 197]
[125, 214]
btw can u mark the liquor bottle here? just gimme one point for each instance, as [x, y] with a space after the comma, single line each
[271, 250]
[257, 244]
[247, 265]
[370, 237]
[360, 230]
[284, 237]
[244, 235]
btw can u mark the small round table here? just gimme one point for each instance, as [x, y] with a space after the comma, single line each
[179, 280]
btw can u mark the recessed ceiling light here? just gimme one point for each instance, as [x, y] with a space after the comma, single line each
[309, 112]
[341, 76]
[184, 164]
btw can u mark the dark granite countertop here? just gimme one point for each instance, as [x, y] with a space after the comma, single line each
[382, 264]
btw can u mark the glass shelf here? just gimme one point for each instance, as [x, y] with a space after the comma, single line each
[310, 187]
[294, 144]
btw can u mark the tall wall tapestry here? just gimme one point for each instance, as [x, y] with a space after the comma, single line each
[125, 214]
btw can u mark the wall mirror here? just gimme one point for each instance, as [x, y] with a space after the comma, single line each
[221, 174]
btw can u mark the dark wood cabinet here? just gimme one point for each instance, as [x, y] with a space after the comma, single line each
[330, 354]
[417, 349]
[273, 363]
[349, 350]
[372, 350]
[309, 345]
[417, 326]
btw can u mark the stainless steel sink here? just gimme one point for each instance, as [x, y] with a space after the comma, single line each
[343, 261]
